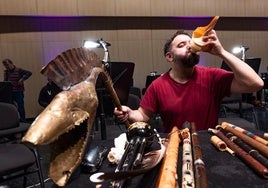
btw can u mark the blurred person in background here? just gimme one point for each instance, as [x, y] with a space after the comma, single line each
[16, 76]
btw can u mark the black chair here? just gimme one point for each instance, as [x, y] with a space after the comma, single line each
[241, 103]
[133, 101]
[235, 104]
[121, 74]
[16, 159]
[149, 79]
[6, 92]
[10, 127]
[135, 91]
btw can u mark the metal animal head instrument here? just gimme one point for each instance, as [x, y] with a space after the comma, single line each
[66, 122]
[197, 43]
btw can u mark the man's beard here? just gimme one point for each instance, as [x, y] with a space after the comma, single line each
[187, 61]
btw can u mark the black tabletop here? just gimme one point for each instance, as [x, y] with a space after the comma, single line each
[223, 169]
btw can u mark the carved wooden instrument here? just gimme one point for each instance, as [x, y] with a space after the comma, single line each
[247, 148]
[199, 165]
[259, 146]
[248, 133]
[187, 161]
[249, 160]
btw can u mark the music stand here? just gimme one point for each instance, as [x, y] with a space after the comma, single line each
[149, 79]
[254, 63]
[225, 66]
[121, 74]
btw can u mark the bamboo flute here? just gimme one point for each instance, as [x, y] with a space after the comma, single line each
[199, 165]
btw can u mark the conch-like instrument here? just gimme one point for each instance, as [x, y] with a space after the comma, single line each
[66, 122]
[197, 43]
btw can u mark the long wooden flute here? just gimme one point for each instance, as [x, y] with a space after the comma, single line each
[259, 146]
[248, 133]
[249, 160]
[168, 177]
[247, 148]
[199, 165]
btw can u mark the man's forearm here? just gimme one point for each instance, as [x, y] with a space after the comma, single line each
[137, 115]
[245, 78]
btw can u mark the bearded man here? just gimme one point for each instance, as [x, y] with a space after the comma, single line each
[189, 92]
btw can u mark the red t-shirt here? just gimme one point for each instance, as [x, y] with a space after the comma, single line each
[197, 101]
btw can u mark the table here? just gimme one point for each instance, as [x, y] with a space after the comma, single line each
[223, 170]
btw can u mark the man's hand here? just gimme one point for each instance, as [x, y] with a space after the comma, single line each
[213, 44]
[20, 82]
[123, 114]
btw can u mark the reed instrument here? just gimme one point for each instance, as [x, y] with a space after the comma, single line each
[199, 165]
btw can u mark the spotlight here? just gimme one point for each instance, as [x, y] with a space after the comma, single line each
[91, 44]
[241, 49]
[99, 44]
[96, 44]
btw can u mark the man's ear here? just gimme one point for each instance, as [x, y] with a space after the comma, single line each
[169, 56]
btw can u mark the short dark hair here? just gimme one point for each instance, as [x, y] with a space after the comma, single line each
[7, 61]
[170, 40]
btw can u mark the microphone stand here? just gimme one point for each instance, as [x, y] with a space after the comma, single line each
[107, 64]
